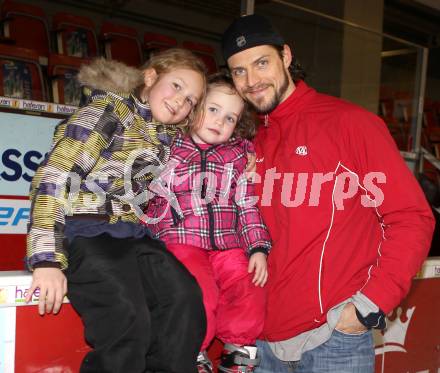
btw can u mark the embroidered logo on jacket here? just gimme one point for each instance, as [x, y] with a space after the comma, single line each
[302, 150]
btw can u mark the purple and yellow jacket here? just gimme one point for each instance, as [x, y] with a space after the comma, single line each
[203, 199]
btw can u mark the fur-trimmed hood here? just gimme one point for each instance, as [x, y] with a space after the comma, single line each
[110, 76]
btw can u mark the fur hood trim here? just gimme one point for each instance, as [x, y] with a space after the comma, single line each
[109, 75]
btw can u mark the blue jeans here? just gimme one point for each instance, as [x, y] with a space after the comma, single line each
[342, 353]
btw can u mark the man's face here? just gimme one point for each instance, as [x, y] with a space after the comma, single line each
[262, 77]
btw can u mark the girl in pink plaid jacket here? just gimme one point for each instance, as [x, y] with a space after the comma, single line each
[205, 212]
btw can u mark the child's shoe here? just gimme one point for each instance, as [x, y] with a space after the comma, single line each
[204, 365]
[236, 359]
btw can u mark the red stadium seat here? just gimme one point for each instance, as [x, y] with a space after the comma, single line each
[21, 75]
[26, 26]
[75, 35]
[205, 52]
[121, 44]
[62, 71]
[154, 42]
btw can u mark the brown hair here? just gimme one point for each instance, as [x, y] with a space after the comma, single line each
[295, 69]
[178, 58]
[246, 125]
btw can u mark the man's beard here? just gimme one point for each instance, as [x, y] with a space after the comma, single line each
[268, 107]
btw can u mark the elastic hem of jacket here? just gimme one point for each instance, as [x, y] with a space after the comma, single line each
[47, 264]
[259, 249]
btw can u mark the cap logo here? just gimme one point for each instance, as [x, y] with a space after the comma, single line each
[241, 41]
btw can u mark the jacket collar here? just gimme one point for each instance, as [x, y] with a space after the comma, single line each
[164, 133]
[143, 109]
[185, 141]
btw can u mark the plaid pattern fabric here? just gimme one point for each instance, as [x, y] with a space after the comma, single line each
[203, 199]
[109, 136]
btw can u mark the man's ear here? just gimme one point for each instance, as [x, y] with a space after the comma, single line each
[287, 56]
[150, 77]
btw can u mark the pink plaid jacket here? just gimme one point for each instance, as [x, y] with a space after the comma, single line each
[203, 199]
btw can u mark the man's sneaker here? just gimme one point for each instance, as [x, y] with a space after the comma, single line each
[204, 365]
[237, 359]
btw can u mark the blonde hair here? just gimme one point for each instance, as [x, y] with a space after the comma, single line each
[246, 125]
[178, 58]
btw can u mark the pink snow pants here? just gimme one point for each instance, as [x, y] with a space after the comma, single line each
[234, 306]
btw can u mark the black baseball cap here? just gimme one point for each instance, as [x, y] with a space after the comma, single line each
[248, 32]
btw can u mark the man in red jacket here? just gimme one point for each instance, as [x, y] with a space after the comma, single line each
[349, 223]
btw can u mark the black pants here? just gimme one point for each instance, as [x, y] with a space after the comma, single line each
[142, 310]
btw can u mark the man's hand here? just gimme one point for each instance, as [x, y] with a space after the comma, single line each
[53, 287]
[348, 322]
[258, 263]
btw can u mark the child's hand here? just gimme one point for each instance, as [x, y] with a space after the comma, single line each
[258, 263]
[53, 288]
[251, 166]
